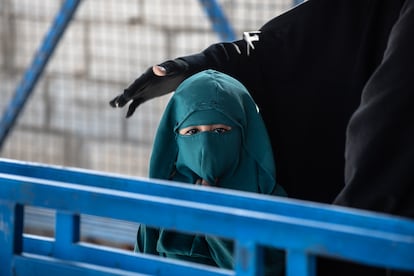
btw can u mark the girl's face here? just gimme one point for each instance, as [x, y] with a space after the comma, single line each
[210, 151]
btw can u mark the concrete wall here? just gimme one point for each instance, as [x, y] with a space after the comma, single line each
[67, 120]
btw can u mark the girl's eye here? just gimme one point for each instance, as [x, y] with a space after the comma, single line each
[220, 130]
[192, 131]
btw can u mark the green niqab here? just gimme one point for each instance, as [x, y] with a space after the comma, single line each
[211, 97]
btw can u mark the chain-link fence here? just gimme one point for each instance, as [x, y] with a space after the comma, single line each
[67, 120]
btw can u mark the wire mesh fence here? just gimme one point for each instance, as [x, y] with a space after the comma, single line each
[67, 120]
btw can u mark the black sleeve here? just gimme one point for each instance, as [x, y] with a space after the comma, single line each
[252, 63]
[379, 171]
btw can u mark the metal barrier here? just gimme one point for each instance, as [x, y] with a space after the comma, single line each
[304, 229]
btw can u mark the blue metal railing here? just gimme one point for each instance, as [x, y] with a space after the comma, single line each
[303, 229]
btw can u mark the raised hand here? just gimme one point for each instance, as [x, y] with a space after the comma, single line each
[154, 82]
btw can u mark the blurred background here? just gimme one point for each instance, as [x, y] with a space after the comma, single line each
[67, 120]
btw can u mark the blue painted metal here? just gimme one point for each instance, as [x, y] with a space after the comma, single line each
[11, 229]
[218, 19]
[364, 237]
[67, 232]
[333, 214]
[297, 2]
[248, 258]
[300, 263]
[32, 74]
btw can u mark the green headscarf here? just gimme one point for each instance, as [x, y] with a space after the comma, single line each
[240, 158]
[211, 97]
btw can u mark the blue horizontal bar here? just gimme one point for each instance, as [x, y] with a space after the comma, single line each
[254, 202]
[121, 259]
[30, 264]
[318, 237]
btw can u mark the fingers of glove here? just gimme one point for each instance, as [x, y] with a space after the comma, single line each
[134, 104]
[114, 102]
[118, 101]
[133, 89]
[138, 87]
[150, 85]
[139, 83]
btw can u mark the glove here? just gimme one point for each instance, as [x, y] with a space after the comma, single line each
[149, 85]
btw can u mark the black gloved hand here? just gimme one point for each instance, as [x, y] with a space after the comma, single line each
[149, 85]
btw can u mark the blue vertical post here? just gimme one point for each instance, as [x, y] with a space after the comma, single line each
[249, 258]
[11, 234]
[299, 263]
[218, 19]
[36, 68]
[67, 232]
